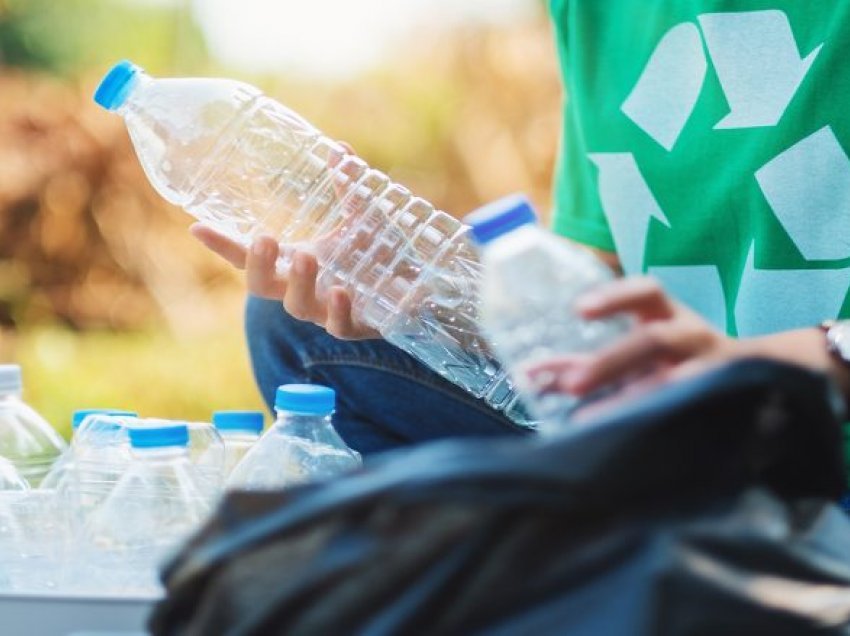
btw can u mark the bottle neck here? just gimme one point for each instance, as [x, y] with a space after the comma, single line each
[233, 433]
[310, 426]
[159, 453]
[518, 239]
[140, 82]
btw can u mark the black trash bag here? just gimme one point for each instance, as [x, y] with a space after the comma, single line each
[704, 509]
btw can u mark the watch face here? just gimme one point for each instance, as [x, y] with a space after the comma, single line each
[839, 338]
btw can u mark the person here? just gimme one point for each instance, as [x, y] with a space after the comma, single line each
[702, 156]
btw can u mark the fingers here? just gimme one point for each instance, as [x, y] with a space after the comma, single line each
[668, 341]
[553, 375]
[300, 299]
[652, 346]
[231, 251]
[641, 349]
[591, 410]
[640, 296]
[261, 274]
[340, 322]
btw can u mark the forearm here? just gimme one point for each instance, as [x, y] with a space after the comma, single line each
[804, 347]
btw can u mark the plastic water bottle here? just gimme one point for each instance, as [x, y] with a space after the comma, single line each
[240, 430]
[301, 446]
[246, 165]
[99, 456]
[156, 504]
[531, 279]
[26, 439]
[62, 467]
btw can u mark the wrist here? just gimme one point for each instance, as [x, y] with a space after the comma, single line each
[836, 336]
[804, 347]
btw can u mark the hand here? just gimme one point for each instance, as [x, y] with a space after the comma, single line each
[302, 299]
[668, 342]
[297, 291]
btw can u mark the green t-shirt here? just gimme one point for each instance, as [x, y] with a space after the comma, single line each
[706, 142]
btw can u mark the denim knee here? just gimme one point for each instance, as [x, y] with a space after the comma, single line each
[385, 398]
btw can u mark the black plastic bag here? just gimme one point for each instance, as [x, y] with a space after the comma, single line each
[703, 509]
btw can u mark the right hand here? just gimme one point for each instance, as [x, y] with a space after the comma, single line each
[297, 290]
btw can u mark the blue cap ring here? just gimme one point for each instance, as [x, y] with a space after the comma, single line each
[81, 414]
[305, 398]
[116, 85]
[500, 217]
[249, 421]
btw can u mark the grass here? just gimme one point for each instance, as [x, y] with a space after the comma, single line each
[154, 373]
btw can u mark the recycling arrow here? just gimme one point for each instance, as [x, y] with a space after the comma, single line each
[757, 61]
[629, 205]
[667, 91]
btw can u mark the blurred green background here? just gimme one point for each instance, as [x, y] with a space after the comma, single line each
[105, 300]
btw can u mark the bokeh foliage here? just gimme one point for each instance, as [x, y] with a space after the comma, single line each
[67, 36]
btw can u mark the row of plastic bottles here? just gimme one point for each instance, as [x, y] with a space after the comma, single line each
[100, 514]
[247, 165]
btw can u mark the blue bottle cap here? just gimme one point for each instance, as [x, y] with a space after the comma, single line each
[81, 414]
[117, 84]
[158, 436]
[500, 217]
[250, 421]
[305, 398]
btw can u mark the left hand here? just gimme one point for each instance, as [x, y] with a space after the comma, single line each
[667, 342]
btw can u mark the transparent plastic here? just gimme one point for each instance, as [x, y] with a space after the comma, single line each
[246, 165]
[26, 439]
[531, 280]
[156, 504]
[296, 449]
[9, 477]
[62, 467]
[34, 541]
[236, 446]
[207, 452]
[97, 458]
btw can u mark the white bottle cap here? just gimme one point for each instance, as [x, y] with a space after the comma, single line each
[10, 378]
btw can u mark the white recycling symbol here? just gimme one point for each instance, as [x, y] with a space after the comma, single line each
[760, 69]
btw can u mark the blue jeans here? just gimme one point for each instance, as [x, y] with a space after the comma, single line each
[385, 398]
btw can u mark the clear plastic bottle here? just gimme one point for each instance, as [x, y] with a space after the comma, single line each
[156, 504]
[301, 446]
[531, 279]
[99, 456]
[246, 165]
[240, 430]
[26, 439]
[62, 467]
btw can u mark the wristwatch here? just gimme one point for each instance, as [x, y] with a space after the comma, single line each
[838, 339]
[838, 345]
